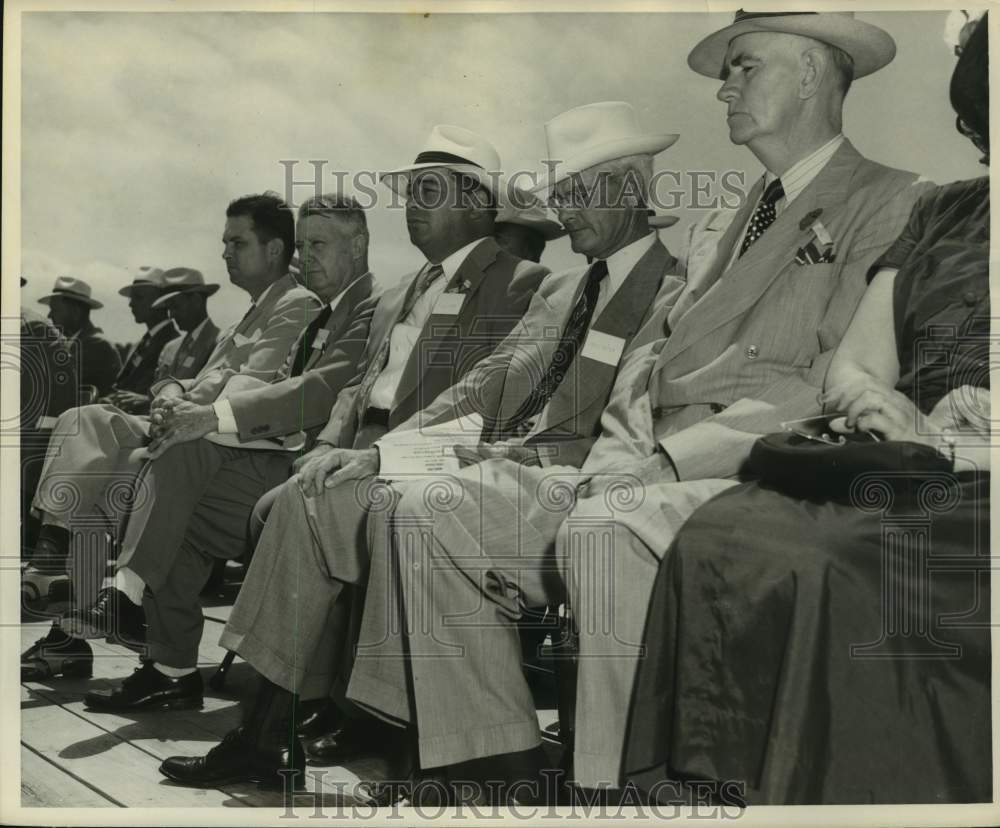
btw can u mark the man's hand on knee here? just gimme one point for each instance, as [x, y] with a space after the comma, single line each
[333, 467]
[185, 422]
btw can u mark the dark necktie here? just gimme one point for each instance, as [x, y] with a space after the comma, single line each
[423, 281]
[763, 215]
[306, 342]
[570, 342]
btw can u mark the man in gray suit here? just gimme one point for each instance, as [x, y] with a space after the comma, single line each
[96, 452]
[744, 348]
[426, 333]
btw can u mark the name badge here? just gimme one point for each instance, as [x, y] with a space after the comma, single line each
[322, 336]
[603, 347]
[187, 362]
[449, 304]
[240, 340]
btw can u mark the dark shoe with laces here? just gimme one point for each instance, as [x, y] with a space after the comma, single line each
[113, 616]
[57, 654]
[149, 689]
[236, 760]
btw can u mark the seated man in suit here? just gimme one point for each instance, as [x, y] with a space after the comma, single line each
[427, 332]
[743, 349]
[87, 483]
[70, 304]
[211, 463]
[130, 391]
[524, 226]
[185, 299]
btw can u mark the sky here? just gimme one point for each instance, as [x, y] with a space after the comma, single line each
[138, 128]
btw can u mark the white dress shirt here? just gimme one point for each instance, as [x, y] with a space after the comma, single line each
[405, 333]
[620, 264]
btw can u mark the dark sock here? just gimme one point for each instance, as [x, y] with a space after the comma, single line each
[268, 719]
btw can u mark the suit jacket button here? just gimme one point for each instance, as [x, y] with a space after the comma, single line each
[752, 352]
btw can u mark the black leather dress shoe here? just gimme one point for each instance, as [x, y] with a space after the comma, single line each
[320, 719]
[235, 760]
[113, 617]
[57, 655]
[148, 689]
[355, 739]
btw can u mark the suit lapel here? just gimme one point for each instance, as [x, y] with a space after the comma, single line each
[751, 274]
[589, 379]
[441, 328]
[357, 292]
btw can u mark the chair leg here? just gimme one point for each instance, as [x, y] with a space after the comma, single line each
[218, 679]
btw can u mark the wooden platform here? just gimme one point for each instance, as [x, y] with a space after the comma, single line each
[73, 757]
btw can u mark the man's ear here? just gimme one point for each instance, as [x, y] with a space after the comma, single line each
[275, 248]
[358, 246]
[814, 64]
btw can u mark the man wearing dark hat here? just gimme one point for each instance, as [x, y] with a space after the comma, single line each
[524, 226]
[185, 299]
[131, 389]
[70, 304]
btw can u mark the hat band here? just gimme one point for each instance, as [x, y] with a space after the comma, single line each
[744, 15]
[444, 158]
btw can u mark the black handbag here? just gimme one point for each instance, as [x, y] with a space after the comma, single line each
[801, 466]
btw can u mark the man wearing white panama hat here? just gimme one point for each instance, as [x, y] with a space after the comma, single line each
[70, 304]
[743, 348]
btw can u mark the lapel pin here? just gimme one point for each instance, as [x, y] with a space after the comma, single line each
[809, 218]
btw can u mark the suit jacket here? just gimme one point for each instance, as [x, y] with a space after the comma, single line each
[139, 370]
[51, 387]
[749, 347]
[187, 362]
[258, 344]
[99, 361]
[499, 289]
[568, 425]
[303, 403]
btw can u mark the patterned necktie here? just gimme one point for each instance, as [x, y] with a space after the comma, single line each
[764, 214]
[562, 358]
[423, 281]
[306, 342]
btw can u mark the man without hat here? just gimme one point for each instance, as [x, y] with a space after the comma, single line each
[426, 333]
[740, 351]
[87, 484]
[185, 299]
[70, 304]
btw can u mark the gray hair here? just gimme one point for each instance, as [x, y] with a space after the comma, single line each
[346, 209]
[843, 67]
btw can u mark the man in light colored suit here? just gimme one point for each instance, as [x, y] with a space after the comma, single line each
[96, 452]
[743, 349]
[426, 333]
[185, 299]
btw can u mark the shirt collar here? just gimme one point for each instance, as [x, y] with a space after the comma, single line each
[453, 262]
[193, 334]
[621, 262]
[159, 326]
[800, 175]
[256, 303]
[336, 299]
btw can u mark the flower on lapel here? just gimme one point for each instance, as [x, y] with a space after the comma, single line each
[819, 248]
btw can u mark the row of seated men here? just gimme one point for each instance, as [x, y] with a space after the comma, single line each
[595, 408]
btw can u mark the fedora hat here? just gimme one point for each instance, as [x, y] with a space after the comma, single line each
[66, 287]
[870, 47]
[521, 207]
[145, 276]
[658, 222]
[181, 280]
[455, 148]
[592, 134]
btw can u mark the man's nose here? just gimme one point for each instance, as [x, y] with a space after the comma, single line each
[727, 92]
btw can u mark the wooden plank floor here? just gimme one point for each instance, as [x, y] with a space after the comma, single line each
[73, 757]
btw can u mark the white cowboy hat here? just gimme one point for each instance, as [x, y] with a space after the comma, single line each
[455, 148]
[870, 47]
[182, 280]
[592, 134]
[523, 208]
[66, 287]
[144, 277]
[661, 222]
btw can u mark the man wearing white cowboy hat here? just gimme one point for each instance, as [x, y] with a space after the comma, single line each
[185, 299]
[541, 394]
[131, 389]
[426, 333]
[70, 304]
[524, 226]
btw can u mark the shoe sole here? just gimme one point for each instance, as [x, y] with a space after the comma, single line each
[260, 781]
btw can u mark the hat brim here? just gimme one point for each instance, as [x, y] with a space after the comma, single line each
[399, 180]
[663, 222]
[870, 47]
[549, 230]
[72, 297]
[127, 290]
[208, 290]
[562, 168]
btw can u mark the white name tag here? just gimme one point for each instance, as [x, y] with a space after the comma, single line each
[240, 340]
[449, 304]
[322, 336]
[603, 347]
[187, 362]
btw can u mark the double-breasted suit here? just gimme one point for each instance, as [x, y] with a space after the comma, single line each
[198, 495]
[741, 349]
[313, 547]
